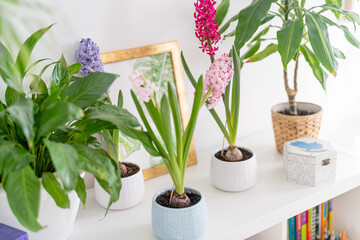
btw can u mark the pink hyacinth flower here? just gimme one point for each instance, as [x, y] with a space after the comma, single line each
[143, 88]
[205, 25]
[217, 78]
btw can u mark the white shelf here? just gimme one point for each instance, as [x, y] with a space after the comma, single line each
[231, 215]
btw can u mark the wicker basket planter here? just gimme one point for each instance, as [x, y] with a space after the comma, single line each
[287, 128]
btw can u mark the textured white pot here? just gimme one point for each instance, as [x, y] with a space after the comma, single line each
[131, 193]
[179, 223]
[57, 222]
[234, 176]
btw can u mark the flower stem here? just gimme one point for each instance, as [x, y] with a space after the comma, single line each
[212, 58]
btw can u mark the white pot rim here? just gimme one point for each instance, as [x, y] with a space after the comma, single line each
[187, 189]
[134, 175]
[241, 147]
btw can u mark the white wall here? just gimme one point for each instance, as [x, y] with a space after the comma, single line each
[119, 24]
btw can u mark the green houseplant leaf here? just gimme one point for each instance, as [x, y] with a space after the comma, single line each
[56, 115]
[23, 193]
[319, 40]
[23, 57]
[338, 53]
[222, 10]
[60, 74]
[53, 187]
[236, 96]
[81, 190]
[8, 70]
[13, 158]
[314, 63]
[85, 91]
[337, 3]
[64, 158]
[351, 39]
[270, 49]
[289, 39]
[249, 20]
[74, 68]
[96, 162]
[22, 113]
[11, 95]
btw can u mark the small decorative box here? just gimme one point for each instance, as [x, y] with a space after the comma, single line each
[309, 161]
[10, 233]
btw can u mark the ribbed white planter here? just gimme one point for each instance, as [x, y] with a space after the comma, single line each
[131, 194]
[234, 176]
[57, 222]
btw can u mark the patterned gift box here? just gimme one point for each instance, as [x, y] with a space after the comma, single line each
[309, 161]
[10, 233]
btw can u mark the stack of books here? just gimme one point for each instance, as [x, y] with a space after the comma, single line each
[314, 224]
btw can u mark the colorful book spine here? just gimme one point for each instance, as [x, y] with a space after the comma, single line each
[309, 223]
[313, 223]
[318, 222]
[298, 227]
[303, 226]
[330, 214]
[324, 224]
[291, 228]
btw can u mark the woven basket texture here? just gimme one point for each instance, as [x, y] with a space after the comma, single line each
[287, 128]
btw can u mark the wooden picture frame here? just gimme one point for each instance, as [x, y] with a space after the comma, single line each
[172, 48]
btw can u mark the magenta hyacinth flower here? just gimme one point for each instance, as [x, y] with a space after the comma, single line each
[206, 26]
[218, 77]
[88, 54]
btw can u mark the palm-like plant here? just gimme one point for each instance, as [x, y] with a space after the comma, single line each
[304, 32]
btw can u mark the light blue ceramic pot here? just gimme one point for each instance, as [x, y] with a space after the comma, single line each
[179, 223]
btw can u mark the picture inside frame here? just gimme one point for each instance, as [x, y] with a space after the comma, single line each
[160, 64]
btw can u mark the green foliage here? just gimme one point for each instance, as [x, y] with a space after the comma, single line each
[249, 21]
[46, 133]
[289, 39]
[53, 187]
[320, 42]
[304, 32]
[222, 10]
[314, 63]
[175, 158]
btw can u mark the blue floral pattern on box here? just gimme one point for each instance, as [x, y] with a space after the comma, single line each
[307, 146]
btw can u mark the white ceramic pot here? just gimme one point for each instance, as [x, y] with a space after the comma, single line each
[179, 223]
[57, 222]
[131, 193]
[234, 176]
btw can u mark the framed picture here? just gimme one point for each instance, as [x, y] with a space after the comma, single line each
[160, 64]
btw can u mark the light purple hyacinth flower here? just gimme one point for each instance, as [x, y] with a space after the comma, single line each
[88, 54]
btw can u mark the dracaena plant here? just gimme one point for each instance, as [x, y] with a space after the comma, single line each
[219, 75]
[304, 33]
[46, 133]
[164, 115]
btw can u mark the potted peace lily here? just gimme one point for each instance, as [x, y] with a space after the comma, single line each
[233, 168]
[304, 33]
[179, 212]
[46, 142]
